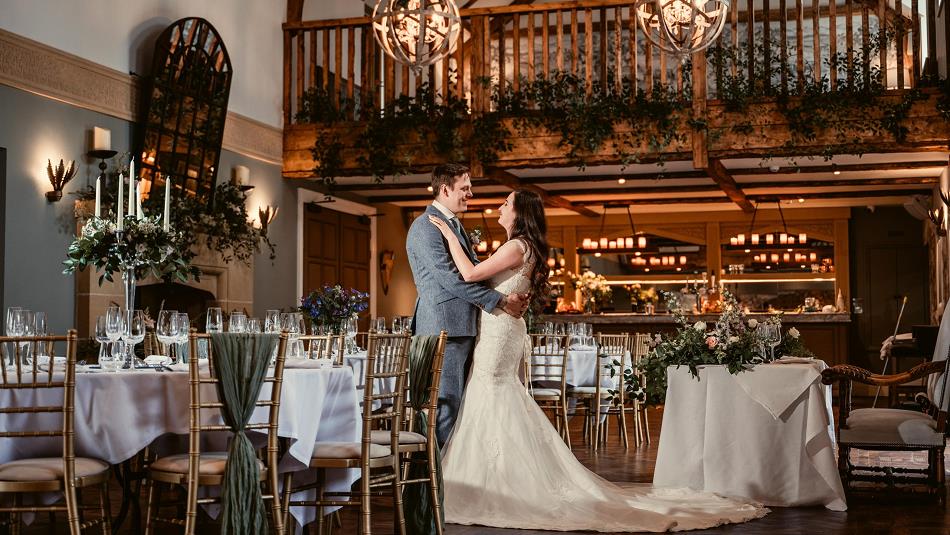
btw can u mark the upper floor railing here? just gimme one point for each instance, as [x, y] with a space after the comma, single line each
[331, 62]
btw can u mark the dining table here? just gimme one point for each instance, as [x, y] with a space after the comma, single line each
[766, 433]
[118, 414]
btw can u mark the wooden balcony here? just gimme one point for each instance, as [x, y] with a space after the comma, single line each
[599, 42]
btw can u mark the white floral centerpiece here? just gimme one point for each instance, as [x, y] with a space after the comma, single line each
[594, 290]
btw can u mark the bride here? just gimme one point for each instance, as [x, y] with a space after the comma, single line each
[505, 465]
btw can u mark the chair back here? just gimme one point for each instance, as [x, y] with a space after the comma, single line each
[41, 375]
[325, 346]
[387, 359]
[205, 402]
[548, 361]
[611, 348]
[434, 376]
[937, 385]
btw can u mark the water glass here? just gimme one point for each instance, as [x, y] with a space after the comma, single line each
[102, 338]
[253, 325]
[379, 325]
[184, 330]
[272, 321]
[397, 325]
[237, 323]
[40, 329]
[289, 322]
[352, 327]
[215, 321]
[115, 357]
[12, 317]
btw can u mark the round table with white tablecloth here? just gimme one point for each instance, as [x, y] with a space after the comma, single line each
[119, 414]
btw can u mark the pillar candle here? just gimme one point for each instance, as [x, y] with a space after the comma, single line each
[603, 243]
[628, 242]
[733, 241]
[98, 201]
[755, 239]
[802, 238]
[783, 238]
[101, 139]
[770, 239]
[586, 243]
[641, 242]
[741, 239]
[168, 185]
[119, 206]
[138, 201]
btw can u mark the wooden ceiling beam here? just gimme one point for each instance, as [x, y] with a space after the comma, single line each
[728, 185]
[844, 168]
[514, 182]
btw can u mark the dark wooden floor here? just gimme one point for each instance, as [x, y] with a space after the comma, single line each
[867, 514]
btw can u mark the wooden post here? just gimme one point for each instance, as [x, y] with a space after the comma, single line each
[700, 154]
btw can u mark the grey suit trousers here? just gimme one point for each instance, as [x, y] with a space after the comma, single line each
[458, 351]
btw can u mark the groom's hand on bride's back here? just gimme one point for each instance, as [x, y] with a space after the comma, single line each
[515, 304]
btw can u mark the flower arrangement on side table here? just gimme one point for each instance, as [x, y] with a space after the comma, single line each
[594, 290]
[332, 305]
[734, 341]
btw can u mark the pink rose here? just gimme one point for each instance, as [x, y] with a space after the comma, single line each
[711, 342]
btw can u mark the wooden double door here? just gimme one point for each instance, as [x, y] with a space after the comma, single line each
[336, 249]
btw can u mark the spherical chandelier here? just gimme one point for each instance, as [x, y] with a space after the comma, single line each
[417, 33]
[682, 27]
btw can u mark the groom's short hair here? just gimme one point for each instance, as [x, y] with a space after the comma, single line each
[447, 174]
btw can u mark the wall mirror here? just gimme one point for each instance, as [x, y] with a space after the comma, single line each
[188, 102]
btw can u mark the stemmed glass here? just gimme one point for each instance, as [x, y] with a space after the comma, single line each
[115, 328]
[397, 325]
[237, 323]
[290, 323]
[379, 325]
[771, 335]
[105, 356]
[135, 334]
[214, 323]
[351, 327]
[167, 328]
[184, 330]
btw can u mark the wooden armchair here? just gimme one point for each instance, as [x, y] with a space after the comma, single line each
[890, 429]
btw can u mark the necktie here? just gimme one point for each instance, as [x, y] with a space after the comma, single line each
[457, 226]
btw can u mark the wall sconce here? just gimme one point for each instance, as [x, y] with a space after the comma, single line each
[59, 177]
[240, 176]
[936, 217]
[266, 216]
[944, 196]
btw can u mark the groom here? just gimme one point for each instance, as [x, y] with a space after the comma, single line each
[445, 301]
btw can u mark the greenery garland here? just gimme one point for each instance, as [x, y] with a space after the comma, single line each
[624, 119]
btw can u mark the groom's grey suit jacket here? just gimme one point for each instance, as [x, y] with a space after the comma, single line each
[445, 300]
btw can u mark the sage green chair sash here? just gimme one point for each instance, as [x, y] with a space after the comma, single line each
[416, 498]
[241, 362]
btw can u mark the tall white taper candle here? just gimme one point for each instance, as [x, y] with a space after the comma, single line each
[168, 191]
[138, 201]
[119, 206]
[98, 202]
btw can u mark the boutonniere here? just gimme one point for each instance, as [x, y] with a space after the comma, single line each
[475, 236]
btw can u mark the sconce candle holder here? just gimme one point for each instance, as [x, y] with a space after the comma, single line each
[102, 155]
[936, 217]
[59, 177]
[266, 216]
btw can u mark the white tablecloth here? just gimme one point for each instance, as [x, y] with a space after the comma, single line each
[119, 414]
[765, 434]
[582, 367]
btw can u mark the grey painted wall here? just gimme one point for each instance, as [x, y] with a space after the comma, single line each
[36, 233]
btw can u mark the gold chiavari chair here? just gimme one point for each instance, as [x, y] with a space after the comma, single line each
[387, 358]
[640, 346]
[66, 473]
[196, 468]
[547, 378]
[411, 442]
[610, 348]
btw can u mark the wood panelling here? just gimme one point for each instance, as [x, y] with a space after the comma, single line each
[336, 249]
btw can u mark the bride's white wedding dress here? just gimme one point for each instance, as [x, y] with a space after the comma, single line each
[506, 466]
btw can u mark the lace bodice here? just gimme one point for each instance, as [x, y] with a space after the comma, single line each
[515, 280]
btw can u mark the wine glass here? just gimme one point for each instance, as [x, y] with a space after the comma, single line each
[167, 328]
[397, 325]
[11, 319]
[103, 339]
[40, 328]
[135, 334]
[352, 327]
[379, 325]
[184, 330]
[290, 323]
[237, 323]
[115, 323]
[215, 322]
[771, 335]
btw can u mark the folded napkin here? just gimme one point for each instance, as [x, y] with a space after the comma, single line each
[158, 360]
[778, 387]
[788, 359]
[581, 347]
[308, 363]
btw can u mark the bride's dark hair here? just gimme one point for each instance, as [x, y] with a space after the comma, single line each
[531, 227]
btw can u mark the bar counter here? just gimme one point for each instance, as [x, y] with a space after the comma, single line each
[824, 334]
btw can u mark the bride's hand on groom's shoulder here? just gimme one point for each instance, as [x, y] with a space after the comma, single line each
[441, 225]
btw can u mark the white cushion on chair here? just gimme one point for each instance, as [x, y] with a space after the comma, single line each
[347, 450]
[48, 469]
[545, 392]
[405, 437]
[890, 426]
[209, 464]
[591, 390]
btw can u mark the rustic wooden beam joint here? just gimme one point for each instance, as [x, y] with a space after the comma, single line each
[728, 185]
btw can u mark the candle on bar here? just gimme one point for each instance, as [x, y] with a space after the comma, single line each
[119, 207]
[168, 186]
[775, 257]
[587, 243]
[741, 239]
[813, 256]
[769, 239]
[603, 243]
[641, 242]
[683, 260]
[783, 238]
[98, 201]
[755, 239]
[612, 244]
[786, 257]
[802, 238]
[733, 241]
[628, 242]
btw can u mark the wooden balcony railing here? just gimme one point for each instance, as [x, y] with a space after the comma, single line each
[600, 42]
